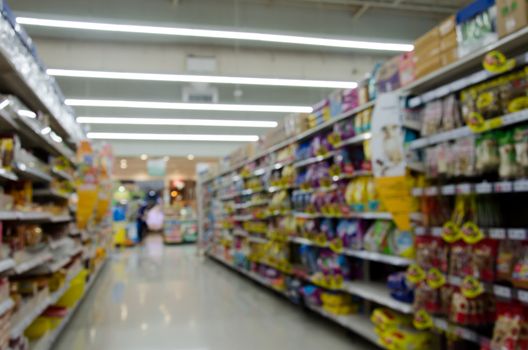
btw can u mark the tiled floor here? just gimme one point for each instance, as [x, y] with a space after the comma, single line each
[168, 298]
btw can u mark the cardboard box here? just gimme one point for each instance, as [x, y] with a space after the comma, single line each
[425, 40]
[447, 27]
[449, 56]
[449, 41]
[512, 15]
[427, 66]
[427, 51]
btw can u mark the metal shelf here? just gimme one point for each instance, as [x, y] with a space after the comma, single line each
[33, 262]
[6, 265]
[49, 193]
[18, 329]
[498, 233]
[378, 293]
[7, 175]
[361, 254]
[60, 218]
[485, 187]
[61, 174]
[359, 324]
[33, 174]
[360, 215]
[313, 160]
[505, 120]
[355, 140]
[6, 305]
[40, 92]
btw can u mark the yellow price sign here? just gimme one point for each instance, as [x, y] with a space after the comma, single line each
[422, 320]
[471, 287]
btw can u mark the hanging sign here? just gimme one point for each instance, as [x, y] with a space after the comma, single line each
[388, 160]
[388, 157]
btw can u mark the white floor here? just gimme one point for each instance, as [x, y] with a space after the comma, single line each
[158, 297]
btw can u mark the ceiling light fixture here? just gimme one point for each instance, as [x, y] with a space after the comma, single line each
[202, 79]
[170, 137]
[217, 34]
[55, 137]
[27, 113]
[143, 157]
[166, 121]
[46, 130]
[190, 157]
[187, 106]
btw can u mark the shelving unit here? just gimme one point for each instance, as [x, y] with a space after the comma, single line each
[226, 231]
[35, 172]
[47, 341]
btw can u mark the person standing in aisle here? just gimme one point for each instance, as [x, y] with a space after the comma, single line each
[150, 201]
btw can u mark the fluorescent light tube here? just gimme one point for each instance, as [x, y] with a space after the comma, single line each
[187, 106]
[55, 137]
[219, 34]
[26, 113]
[166, 121]
[201, 79]
[170, 137]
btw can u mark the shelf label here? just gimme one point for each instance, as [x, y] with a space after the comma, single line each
[517, 234]
[484, 187]
[437, 231]
[520, 186]
[503, 186]
[431, 191]
[463, 188]
[449, 190]
[440, 323]
[466, 334]
[417, 191]
[419, 231]
[502, 292]
[455, 280]
[497, 233]
[522, 295]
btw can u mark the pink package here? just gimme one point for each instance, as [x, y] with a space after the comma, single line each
[407, 68]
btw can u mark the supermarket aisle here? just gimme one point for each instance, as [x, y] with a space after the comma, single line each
[168, 298]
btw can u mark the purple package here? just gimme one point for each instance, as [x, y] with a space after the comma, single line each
[350, 100]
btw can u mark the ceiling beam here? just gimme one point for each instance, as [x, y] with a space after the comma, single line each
[381, 4]
[360, 12]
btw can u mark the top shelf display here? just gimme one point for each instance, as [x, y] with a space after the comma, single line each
[24, 76]
[445, 61]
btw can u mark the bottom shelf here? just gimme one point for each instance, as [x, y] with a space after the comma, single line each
[47, 341]
[359, 324]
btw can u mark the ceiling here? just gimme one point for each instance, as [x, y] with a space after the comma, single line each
[395, 21]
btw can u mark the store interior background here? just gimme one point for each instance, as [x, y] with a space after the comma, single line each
[70, 49]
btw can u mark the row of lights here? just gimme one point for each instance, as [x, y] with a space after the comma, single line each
[123, 163]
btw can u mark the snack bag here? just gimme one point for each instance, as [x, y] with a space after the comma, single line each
[521, 147]
[508, 166]
[376, 238]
